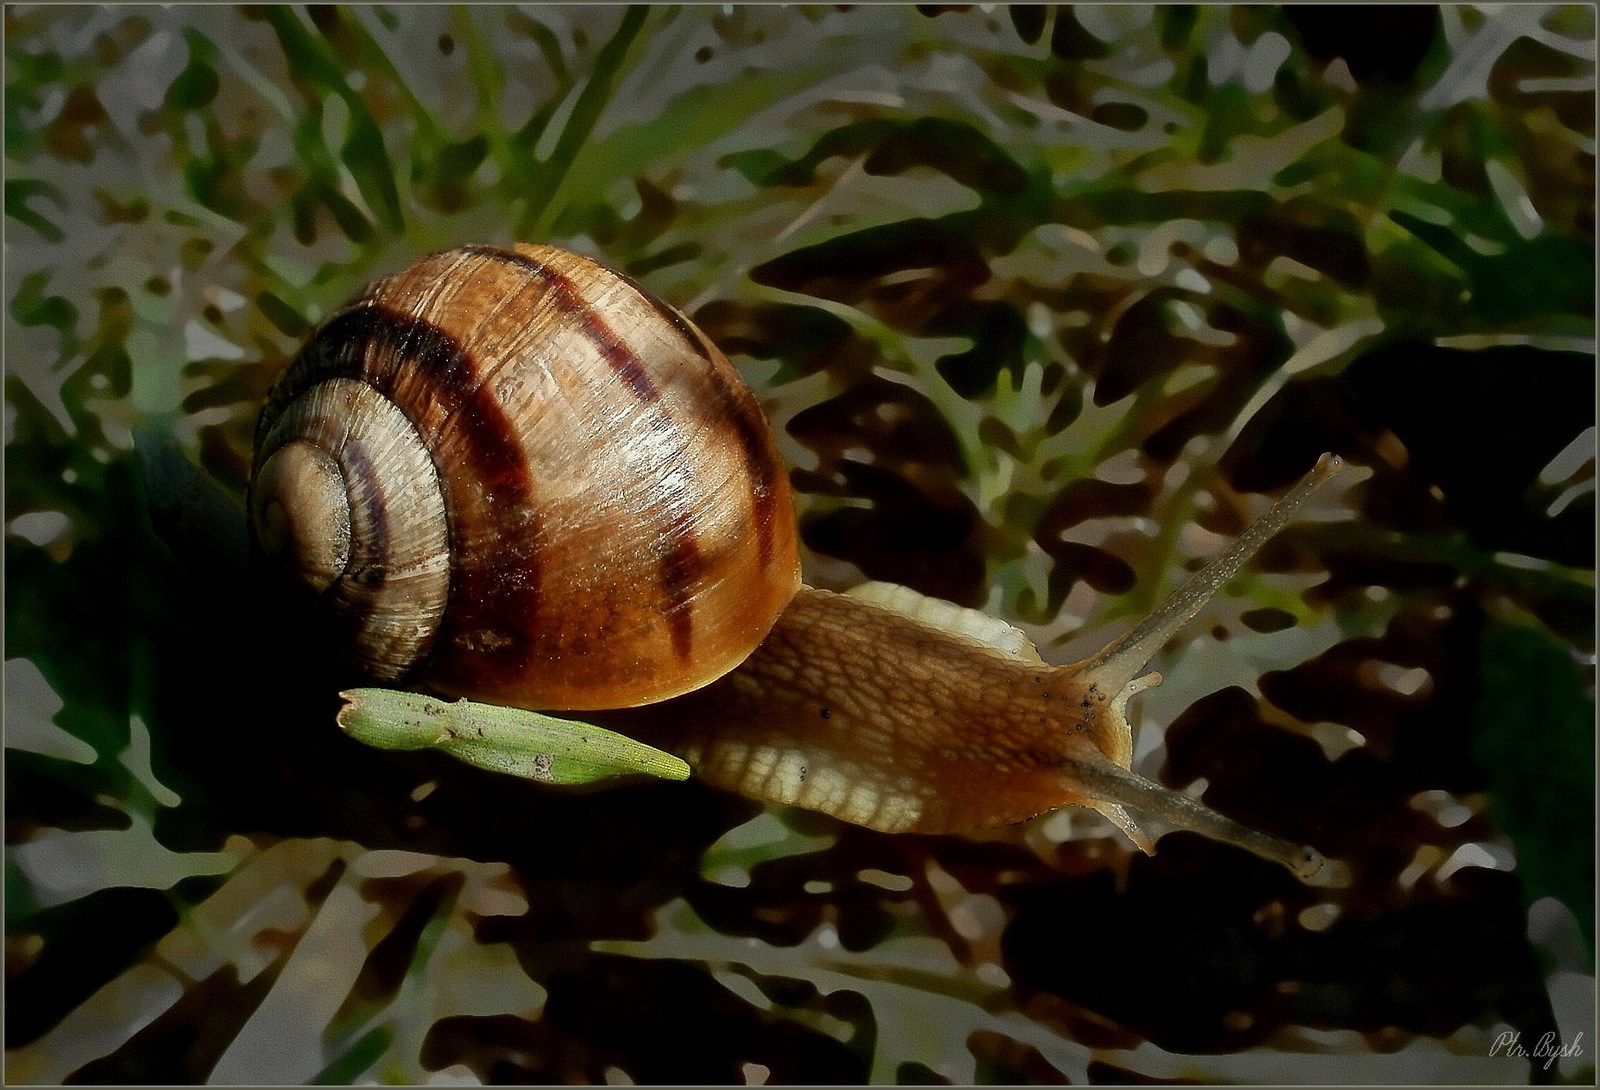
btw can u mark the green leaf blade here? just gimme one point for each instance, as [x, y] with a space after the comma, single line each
[512, 741]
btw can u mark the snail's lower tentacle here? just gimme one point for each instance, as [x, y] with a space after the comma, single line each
[1116, 784]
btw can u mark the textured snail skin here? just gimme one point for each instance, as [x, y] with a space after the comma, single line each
[946, 720]
[514, 476]
[859, 711]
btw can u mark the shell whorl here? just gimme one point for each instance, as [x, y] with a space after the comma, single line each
[347, 498]
[610, 520]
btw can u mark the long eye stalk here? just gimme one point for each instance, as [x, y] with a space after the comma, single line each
[1121, 660]
[1104, 776]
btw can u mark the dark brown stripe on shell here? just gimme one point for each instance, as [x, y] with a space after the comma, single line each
[371, 566]
[344, 343]
[742, 413]
[671, 316]
[737, 406]
[681, 569]
[681, 564]
[613, 349]
[493, 454]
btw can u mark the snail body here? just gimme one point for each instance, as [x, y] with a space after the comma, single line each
[855, 707]
[515, 476]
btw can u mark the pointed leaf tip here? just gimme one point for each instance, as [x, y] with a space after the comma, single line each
[532, 745]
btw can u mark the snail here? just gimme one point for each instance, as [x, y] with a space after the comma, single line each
[515, 476]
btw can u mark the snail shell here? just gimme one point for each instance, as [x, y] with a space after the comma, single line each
[512, 474]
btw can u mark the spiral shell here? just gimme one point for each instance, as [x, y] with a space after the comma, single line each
[516, 475]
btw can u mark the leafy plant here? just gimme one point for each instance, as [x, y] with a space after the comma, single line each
[1038, 300]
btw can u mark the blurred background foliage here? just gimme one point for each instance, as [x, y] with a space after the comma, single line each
[1039, 301]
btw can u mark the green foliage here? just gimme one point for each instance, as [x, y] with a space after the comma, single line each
[1040, 301]
[538, 747]
[1534, 732]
